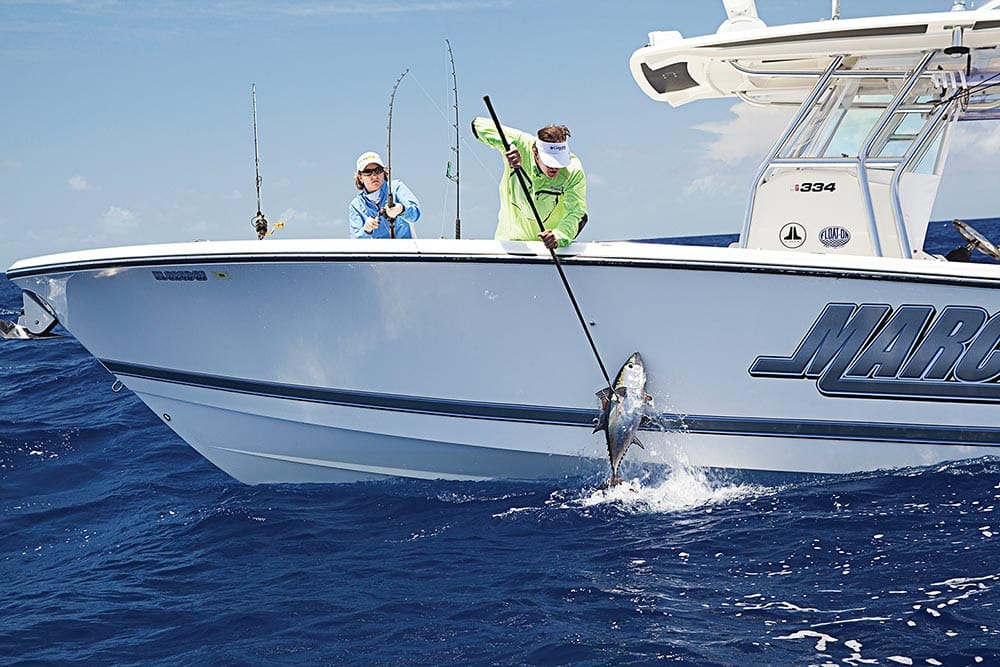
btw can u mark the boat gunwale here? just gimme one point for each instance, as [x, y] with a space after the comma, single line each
[680, 257]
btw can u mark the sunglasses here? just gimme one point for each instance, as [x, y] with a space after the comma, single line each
[374, 171]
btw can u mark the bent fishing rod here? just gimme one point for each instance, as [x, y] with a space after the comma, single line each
[521, 178]
[388, 165]
[456, 176]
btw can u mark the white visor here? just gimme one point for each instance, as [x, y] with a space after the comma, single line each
[555, 155]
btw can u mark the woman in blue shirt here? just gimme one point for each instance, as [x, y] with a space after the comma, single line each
[368, 214]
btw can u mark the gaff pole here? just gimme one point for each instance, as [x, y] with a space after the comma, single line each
[521, 178]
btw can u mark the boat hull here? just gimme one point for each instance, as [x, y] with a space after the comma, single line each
[342, 361]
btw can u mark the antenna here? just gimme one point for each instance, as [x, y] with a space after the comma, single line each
[455, 177]
[259, 222]
[388, 166]
[835, 15]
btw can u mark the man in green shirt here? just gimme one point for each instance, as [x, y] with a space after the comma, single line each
[555, 178]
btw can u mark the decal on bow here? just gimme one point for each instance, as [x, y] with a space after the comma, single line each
[869, 350]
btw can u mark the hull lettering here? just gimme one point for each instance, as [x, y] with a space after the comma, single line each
[912, 352]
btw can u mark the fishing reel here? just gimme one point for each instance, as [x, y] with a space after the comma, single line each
[259, 223]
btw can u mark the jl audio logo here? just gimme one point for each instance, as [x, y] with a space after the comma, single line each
[792, 235]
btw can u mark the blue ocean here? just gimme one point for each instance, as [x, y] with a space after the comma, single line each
[120, 545]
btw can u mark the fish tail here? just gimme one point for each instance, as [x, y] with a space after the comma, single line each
[614, 480]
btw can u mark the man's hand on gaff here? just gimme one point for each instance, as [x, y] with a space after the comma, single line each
[513, 157]
[548, 237]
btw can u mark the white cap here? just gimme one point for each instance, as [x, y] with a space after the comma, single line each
[368, 158]
[555, 155]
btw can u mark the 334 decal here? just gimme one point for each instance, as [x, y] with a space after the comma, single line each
[817, 186]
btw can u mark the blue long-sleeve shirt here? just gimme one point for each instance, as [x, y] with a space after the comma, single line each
[362, 208]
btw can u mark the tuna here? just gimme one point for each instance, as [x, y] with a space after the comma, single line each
[624, 407]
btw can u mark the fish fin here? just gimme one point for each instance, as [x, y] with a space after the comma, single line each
[636, 441]
[599, 424]
[649, 415]
[601, 421]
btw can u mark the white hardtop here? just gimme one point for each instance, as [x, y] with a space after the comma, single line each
[856, 171]
[677, 70]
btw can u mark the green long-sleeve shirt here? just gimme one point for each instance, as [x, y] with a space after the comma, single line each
[561, 201]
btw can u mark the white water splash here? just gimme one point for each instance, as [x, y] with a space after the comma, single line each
[685, 487]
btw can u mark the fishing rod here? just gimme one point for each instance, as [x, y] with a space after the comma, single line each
[455, 177]
[259, 222]
[555, 258]
[388, 166]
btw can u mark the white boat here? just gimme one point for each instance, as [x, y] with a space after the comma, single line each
[825, 341]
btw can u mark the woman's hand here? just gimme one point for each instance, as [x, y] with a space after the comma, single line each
[370, 225]
[394, 211]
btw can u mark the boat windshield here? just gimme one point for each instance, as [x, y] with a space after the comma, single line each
[875, 125]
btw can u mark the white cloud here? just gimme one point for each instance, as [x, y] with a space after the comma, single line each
[595, 179]
[291, 215]
[716, 179]
[726, 163]
[702, 184]
[976, 141]
[302, 224]
[198, 229]
[78, 183]
[11, 164]
[232, 196]
[749, 135]
[118, 220]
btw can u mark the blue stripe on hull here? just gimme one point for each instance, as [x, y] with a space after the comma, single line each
[695, 424]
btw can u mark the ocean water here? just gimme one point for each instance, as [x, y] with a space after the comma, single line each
[120, 545]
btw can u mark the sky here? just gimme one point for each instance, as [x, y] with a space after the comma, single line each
[128, 122]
